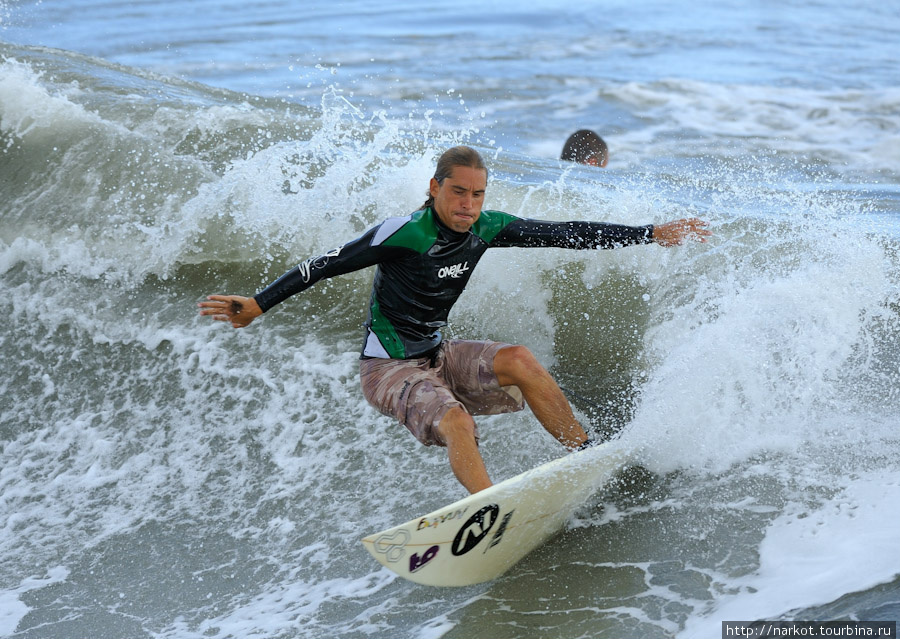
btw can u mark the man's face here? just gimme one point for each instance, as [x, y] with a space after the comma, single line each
[458, 200]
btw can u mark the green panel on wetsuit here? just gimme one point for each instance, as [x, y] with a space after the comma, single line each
[490, 223]
[419, 234]
[386, 333]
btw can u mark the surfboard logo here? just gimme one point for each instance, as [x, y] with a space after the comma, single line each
[393, 546]
[498, 536]
[417, 563]
[475, 529]
[426, 522]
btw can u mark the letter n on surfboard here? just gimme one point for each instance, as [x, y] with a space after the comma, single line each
[475, 529]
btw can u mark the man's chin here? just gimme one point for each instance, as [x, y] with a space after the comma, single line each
[463, 223]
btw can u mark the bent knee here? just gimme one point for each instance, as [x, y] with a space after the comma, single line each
[515, 364]
[456, 425]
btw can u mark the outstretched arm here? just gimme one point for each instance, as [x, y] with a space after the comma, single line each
[360, 253]
[677, 232]
[238, 310]
[591, 235]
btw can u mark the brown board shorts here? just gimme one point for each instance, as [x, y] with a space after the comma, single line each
[419, 392]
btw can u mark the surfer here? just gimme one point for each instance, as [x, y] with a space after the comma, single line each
[423, 262]
[586, 147]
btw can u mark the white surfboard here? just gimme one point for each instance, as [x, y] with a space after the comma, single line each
[480, 537]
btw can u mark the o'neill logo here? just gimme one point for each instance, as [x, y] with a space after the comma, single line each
[474, 530]
[454, 271]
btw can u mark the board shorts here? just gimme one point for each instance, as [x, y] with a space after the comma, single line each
[419, 392]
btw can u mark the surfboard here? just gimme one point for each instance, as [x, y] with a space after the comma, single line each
[479, 537]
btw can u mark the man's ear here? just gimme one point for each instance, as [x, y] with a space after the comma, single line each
[433, 187]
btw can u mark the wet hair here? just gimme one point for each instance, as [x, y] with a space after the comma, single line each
[451, 158]
[583, 145]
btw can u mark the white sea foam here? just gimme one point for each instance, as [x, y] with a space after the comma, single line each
[12, 610]
[847, 544]
[837, 127]
[29, 111]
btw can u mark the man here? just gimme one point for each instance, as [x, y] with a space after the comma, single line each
[585, 147]
[424, 261]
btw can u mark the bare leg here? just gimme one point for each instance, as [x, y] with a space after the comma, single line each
[516, 365]
[457, 430]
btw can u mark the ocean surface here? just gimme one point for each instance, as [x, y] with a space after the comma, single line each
[163, 476]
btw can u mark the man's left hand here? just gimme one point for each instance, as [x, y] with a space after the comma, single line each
[676, 232]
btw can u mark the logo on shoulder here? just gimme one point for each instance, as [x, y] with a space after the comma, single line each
[454, 271]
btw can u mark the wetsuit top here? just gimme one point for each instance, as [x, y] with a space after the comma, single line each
[423, 267]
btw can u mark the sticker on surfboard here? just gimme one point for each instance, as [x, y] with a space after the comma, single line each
[479, 537]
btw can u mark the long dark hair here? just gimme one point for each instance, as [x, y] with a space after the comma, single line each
[456, 156]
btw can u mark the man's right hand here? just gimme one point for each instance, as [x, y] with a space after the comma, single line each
[238, 310]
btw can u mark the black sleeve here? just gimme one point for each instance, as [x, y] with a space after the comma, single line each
[574, 235]
[350, 257]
